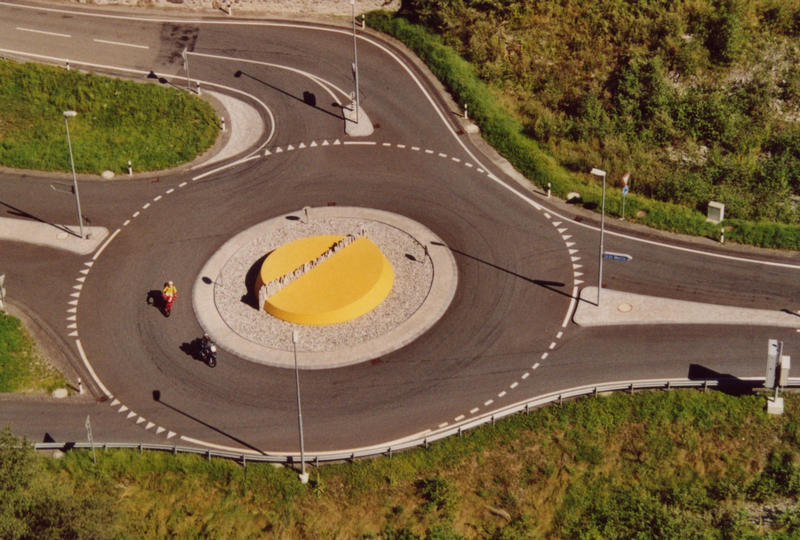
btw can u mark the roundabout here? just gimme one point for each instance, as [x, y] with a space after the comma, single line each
[373, 302]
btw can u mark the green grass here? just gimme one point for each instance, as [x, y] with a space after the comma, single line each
[680, 464]
[21, 367]
[156, 127]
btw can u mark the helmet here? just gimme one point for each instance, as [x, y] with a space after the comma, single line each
[170, 282]
[213, 348]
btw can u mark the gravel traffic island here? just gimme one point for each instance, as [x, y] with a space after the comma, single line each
[229, 297]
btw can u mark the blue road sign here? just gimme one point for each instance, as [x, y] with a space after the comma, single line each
[624, 257]
[625, 190]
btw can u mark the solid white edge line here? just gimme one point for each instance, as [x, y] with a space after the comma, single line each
[228, 166]
[89, 368]
[362, 143]
[108, 241]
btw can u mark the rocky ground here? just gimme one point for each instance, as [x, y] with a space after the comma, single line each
[314, 8]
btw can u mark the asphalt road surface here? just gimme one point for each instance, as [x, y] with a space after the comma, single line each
[506, 337]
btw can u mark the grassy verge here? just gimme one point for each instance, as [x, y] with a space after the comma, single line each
[682, 464]
[21, 367]
[507, 135]
[154, 127]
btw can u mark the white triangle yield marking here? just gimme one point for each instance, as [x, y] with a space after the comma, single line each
[73, 302]
[278, 150]
[130, 415]
[85, 271]
[72, 326]
[562, 230]
[79, 286]
[556, 223]
[72, 310]
[578, 281]
[301, 145]
[75, 294]
[576, 266]
[71, 318]
[325, 143]
[313, 144]
[575, 259]
[140, 420]
[566, 236]
[89, 263]
[160, 430]
[267, 152]
[570, 244]
[547, 215]
[337, 142]
[170, 434]
[149, 425]
[123, 409]
[115, 402]
[73, 334]
[81, 279]
[573, 251]
[578, 274]
[289, 148]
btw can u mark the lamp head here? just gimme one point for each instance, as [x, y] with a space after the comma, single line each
[70, 114]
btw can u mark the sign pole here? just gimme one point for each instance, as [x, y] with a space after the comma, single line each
[89, 436]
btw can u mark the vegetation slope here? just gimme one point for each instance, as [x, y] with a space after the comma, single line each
[679, 464]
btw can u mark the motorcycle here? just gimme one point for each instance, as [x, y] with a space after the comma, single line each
[168, 299]
[208, 352]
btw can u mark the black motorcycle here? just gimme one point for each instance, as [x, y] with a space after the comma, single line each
[208, 352]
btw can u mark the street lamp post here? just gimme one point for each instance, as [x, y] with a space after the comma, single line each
[599, 172]
[355, 57]
[303, 473]
[67, 115]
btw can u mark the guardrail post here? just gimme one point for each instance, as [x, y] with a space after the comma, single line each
[492, 419]
[316, 461]
[527, 408]
[669, 385]
[594, 392]
[208, 455]
[390, 452]
[559, 399]
[244, 461]
[174, 450]
[140, 448]
[630, 389]
[705, 386]
[425, 442]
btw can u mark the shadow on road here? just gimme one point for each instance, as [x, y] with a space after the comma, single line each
[727, 383]
[157, 398]
[308, 98]
[155, 299]
[549, 285]
[14, 211]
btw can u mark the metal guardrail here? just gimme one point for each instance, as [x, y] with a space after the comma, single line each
[387, 449]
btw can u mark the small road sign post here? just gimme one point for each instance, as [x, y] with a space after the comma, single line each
[625, 189]
[3, 293]
[89, 436]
